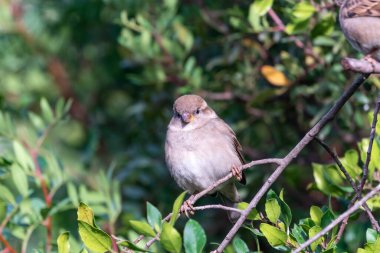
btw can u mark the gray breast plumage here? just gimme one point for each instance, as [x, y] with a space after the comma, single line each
[198, 158]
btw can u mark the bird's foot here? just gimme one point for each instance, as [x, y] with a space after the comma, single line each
[187, 207]
[237, 172]
[371, 61]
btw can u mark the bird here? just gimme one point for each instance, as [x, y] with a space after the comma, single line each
[360, 23]
[200, 149]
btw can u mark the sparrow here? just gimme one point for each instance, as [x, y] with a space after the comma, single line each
[200, 149]
[360, 23]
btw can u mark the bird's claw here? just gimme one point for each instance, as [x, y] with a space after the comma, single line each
[237, 172]
[371, 61]
[187, 208]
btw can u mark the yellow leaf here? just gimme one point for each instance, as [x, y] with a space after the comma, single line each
[274, 76]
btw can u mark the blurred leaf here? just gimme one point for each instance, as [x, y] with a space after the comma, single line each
[47, 112]
[274, 236]
[73, 194]
[95, 239]
[170, 238]
[63, 242]
[253, 214]
[142, 228]
[22, 156]
[154, 216]
[176, 207]
[260, 7]
[20, 180]
[303, 11]
[273, 76]
[273, 210]
[240, 246]
[371, 235]
[194, 237]
[7, 195]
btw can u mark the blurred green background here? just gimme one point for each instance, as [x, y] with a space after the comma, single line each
[270, 74]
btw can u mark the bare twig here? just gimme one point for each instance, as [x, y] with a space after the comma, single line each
[291, 155]
[369, 150]
[361, 65]
[339, 219]
[374, 223]
[227, 177]
[7, 246]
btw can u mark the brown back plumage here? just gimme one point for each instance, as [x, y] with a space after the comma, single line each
[360, 8]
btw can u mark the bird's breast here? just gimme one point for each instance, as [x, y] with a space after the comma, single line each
[197, 159]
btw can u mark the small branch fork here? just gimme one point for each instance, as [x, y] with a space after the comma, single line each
[374, 223]
[339, 219]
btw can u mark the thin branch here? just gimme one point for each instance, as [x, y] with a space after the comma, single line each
[374, 223]
[369, 150]
[8, 247]
[339, 219]
[228, 176]
[329, 116]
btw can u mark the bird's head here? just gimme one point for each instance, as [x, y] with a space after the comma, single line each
[191, 112]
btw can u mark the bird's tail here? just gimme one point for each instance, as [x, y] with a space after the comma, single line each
[230, 197]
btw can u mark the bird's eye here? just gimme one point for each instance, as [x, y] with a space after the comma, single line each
[177, 114]
[197, 111]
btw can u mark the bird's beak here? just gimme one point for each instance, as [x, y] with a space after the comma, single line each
[187, 117]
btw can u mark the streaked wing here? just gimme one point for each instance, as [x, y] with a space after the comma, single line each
[227, 130]
[361, 8]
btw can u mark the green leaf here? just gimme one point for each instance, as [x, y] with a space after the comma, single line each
[240, 246]
[131, 246]
[20, 180]
[274, 236]
[63, 243]
[22, 156]
[324, 27]
[327, 218]
[7, 195]
[253, 214]
[303, 11]
[94, 238]
[371, 235]
[286, 213]
[170, 238]
[350, 162]
[273, 210]
[47, 112]
[176, 207]
[73, 194]
[85, 214]
[316, 215]
[142, 228]
[312, 232]
[371, 247]
[260, 7]
[194, 237]
[154, 216]
[299, 234]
